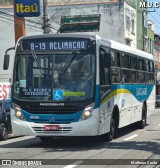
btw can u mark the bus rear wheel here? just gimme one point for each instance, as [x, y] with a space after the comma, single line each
[143, 122]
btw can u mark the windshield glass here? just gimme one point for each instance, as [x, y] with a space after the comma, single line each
[58, 77]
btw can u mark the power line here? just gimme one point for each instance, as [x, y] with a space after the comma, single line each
[154, 18]
[58, 11]
[158, 13]
[11, 24]
[27, 20]
[3, 13]
[19, 22]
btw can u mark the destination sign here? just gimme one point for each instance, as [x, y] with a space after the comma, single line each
[55, 44]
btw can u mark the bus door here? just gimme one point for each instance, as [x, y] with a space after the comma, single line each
[105, 86]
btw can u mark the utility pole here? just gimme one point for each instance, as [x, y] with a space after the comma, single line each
[45, 27]
[19, 25]
[143, 38]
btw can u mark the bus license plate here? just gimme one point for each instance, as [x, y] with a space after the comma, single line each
[51, 127]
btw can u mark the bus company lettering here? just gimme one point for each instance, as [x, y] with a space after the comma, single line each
[51, 104]
[141, 91]
[20, 8]
[4, 91]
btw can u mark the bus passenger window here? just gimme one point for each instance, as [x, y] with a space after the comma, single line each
[151, 66]
[133, 62]
[147, 77]
[134, 77]
[126, 76]
[115, 59]
[116, 75]
[147, 66]
[141, 77]
[151, 78]
[141, 64]
[125, 61]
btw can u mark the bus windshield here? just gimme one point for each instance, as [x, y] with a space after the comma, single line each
[68, 76]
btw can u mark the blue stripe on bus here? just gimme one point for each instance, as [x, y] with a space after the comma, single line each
[140, 91]
[52, 118]
[97, 99]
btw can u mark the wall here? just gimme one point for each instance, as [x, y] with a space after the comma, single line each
[71, 2]
[139, 26]
[130, 24]
[6, 2]
[149, 46]
[112, 18]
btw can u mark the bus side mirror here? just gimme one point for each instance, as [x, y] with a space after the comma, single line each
[6, 61]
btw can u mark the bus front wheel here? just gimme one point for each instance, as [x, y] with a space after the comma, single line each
[3, 132]
[111, 134]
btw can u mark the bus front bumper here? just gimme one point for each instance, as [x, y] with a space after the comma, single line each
[89, 127]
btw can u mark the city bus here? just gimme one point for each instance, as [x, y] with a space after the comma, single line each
[79, 85]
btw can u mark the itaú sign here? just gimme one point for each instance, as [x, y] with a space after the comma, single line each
[27, 8]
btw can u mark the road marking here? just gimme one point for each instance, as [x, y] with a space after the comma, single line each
[73, 164]
[131, 137]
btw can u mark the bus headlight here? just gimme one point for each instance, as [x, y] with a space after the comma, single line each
[18, 112]
[87, 113]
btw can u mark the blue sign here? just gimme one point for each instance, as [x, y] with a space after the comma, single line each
[58, 94]
[27, 8]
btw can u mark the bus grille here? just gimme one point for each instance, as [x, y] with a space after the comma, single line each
[52, 110]
[62, 130]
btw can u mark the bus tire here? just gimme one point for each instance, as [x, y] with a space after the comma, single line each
[111, 134]
[143, 121]
[45, 139]
[3, 132]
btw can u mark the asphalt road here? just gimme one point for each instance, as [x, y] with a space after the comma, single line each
[133, 147]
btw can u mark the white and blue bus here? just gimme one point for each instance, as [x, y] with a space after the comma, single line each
[79, 85]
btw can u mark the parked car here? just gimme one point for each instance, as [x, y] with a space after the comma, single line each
[157, 100]
[5, 119]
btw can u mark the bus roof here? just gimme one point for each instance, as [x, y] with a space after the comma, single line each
[103, 41]
[122, 47]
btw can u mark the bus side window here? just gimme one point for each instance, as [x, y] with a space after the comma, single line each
[116, 75]
[134, 77]
[126, 76]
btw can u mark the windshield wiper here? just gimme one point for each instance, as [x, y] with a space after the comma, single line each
[68, 63]
[37, 62]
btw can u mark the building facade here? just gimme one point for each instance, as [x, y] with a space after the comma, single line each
[130, 24]
[118, 17]
[149, 46]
